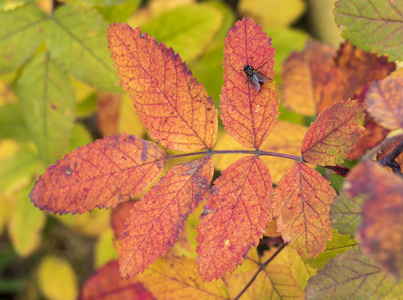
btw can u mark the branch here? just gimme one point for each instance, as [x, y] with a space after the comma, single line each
[262, 267]
[389, 160]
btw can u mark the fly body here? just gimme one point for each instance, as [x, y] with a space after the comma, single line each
[255, 77]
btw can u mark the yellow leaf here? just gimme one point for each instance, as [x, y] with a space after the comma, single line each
[56, 279]
[4, 213]
[271, 13]
[89, 223]
[129, 121]
[177, 278]
[104, 249]
[25, 224]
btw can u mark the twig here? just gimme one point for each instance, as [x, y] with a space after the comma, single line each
[262, 267]
[389, 160]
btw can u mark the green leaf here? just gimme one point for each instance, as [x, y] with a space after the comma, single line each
[87, 107]
[12, 123]
[375, 26]
[79, 137]
[20, 35]
[17, 170]
[285, 40]
[77, 41]
[26, 223]
[352, 275]
[48, 103]
[118, 13]
[208, 68]
[338, 244]
[346, 213]
[8, 5]
[189, 29]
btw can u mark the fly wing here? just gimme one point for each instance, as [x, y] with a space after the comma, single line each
[260, 77]
[254, 82]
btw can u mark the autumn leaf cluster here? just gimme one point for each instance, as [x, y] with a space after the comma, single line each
[179, 115]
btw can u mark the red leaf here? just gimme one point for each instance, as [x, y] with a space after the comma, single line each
[235, 217]
[102, 174]
[154, 222]
[333, 134]
[174, 107]
[381, 230]
[247, 114]
[302, 203]
[108, 285]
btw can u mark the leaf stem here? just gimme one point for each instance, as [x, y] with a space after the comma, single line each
[262, 267]
[253, 152]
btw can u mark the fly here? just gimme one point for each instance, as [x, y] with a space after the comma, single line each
[255, 77]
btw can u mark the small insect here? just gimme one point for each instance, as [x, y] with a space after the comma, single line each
[255, 78]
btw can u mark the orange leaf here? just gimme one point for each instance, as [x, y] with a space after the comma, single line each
[155, 220]
[333, 134]
[381, 230]
[302, 203]
[235, 217]
[174, 107]
[102, 174]
[384, 101]
[107, 284]
[307, 76]
[177, 278]
[317, 78]
[247, 114]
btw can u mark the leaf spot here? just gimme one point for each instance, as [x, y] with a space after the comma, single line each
[68, 171]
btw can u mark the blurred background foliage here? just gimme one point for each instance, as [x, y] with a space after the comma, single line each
[59, 91]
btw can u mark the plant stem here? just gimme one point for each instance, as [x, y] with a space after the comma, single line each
[262, 267]
[389, 160]
[253, 152]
